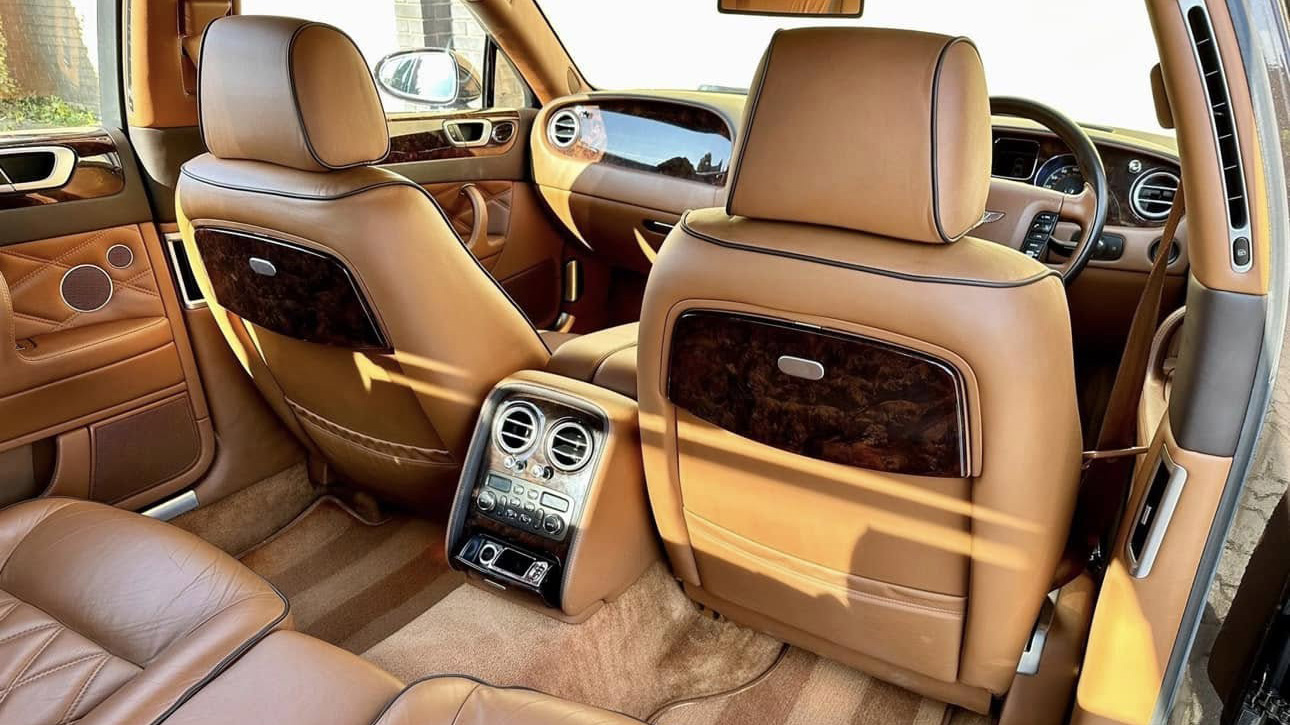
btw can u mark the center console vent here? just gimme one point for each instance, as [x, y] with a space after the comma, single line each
[517, 427]
[568, 447]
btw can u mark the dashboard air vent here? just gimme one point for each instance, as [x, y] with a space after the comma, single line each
[568, 447]
[1152, 195]
[563, 128]
[517, 427]
[1215, 80]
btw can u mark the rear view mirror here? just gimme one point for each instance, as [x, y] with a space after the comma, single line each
[818, 8]
[425, 76]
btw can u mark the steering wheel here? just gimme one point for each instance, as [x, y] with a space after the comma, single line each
[1088, 208]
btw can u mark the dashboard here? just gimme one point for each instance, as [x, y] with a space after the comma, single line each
[1142, 183]
[619, 170]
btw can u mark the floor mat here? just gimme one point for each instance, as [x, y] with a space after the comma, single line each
[351, 582]
[803, 689]
[242, 520]
[649, 647]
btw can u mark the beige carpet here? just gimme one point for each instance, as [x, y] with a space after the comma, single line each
[803, 689]
[351, 582]
[649, 647]
[244, 519]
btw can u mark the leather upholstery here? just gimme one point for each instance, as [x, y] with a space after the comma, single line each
[605, 357]
[292, 678]
[866, 129]
[397, 423]
[289, 92]
[931, 582]
[462, 701]
[107, 616]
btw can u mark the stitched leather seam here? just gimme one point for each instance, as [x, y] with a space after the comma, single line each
[462, 706]
[4, 694]
[878, 598]
[85, 688]
[93, 238]
[98, 342]
[58, 668]
[907, 276]
[28, 630]
[397, 451]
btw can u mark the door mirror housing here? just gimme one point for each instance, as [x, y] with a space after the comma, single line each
[433, 76]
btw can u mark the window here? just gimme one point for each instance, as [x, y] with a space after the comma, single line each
[49, 64]
[1089, 59]
[382, 27]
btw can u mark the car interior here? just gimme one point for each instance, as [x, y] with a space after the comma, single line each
[365, 363]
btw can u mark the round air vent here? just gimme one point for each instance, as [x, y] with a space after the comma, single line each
[503, 131]
[1152, 195]
[568, 446]
[516, 427]
[563, 128]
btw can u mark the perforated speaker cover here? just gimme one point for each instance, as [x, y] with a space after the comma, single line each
[86, 288]
[120, 256]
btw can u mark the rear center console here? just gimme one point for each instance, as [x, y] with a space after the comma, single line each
[552, 503]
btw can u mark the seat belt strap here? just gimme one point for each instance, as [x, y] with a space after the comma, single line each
[1108, 469]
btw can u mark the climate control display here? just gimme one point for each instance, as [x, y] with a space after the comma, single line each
[524, 505]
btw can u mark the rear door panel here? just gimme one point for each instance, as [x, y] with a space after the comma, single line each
[96, 373]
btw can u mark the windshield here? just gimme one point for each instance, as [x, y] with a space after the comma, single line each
[1091, 59]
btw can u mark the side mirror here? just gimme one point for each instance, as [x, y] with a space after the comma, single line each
[428, 75]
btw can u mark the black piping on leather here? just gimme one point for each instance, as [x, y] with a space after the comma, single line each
[935, 170]
[295, 100]
[750, 118]
[907, 276]
[392, 182]
[234, 656]
[482, 683]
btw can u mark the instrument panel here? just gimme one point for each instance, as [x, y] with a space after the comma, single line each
[1142, 184]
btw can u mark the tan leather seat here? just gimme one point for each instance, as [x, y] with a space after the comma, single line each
[366, 323]
[110, 617]
[859, 421]
[291, 678]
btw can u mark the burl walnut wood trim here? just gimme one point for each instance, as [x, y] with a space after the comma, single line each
[596, 144]
[878, 406]
[311, 297]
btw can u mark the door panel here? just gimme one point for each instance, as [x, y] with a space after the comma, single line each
[96, 373]
[523, 250]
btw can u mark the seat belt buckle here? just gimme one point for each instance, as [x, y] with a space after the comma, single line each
[1091, 456]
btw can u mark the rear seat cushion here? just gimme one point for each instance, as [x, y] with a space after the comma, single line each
[293, 678]
[110, 617]
[452, 700]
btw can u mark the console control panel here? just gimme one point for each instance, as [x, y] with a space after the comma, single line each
[508, 562]
[524, 505]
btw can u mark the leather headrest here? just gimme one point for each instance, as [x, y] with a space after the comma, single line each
[290, 92]
[881, 131]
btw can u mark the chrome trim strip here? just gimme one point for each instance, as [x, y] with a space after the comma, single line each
[172, 507]
[1141, 568]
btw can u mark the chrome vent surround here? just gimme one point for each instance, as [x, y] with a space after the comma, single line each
[563, 128]
[1152, 195]
[1226, 140]
[569, 445]
[517, 427]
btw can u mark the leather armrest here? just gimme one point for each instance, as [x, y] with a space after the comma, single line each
[606, 358]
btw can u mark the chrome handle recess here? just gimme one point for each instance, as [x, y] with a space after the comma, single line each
[62, 163]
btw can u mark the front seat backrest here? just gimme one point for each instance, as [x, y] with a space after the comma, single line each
[860, 422]
[349, 298]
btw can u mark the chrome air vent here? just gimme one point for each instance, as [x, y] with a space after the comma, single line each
[1152, 195]
[517, 427]
[1214, 79]
[568, 446]
[563, 128]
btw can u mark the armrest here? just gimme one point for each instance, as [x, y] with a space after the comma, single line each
[606, 358]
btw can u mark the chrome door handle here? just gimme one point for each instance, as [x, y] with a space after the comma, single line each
[61, 161]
